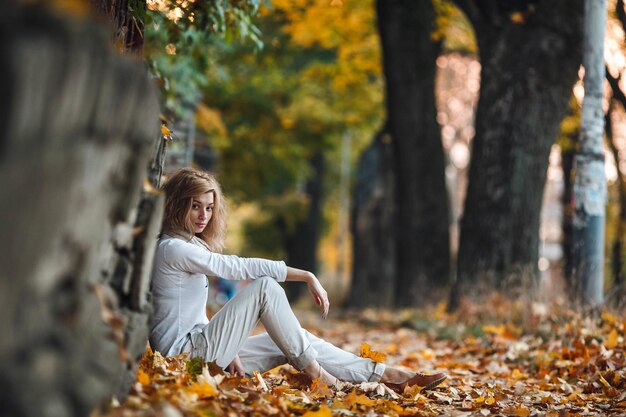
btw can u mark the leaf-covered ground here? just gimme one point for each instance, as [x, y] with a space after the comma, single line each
[502, 359]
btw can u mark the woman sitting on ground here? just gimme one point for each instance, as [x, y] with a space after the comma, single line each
[189, 249]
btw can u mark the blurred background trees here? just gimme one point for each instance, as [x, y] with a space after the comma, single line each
[286, 117]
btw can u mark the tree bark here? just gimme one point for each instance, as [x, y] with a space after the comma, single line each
[127, 29]
[618, 271]
[422, 235]
[373, 213]
[590, 181]
[529, 65]
[568, 152]
[78, 130]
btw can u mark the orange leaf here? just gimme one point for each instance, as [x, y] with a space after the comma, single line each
[142, 377]
[323, 411]
[352, 399]
[203, 390]
[517, 411]
[499, 330]
[611, 342]
[366, 352]
[320, 389]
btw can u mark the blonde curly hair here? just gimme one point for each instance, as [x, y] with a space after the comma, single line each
[180, 191]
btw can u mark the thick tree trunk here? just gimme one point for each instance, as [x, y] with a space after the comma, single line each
[528, 69]
[302, 242]
[422, 235]
[78, 130]
[373, 213]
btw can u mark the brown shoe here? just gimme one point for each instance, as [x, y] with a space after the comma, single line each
[419, 379]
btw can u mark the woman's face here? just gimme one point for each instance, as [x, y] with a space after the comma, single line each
[202, 211]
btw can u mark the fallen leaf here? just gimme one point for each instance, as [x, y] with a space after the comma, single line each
[260, 380]
[142, 377]
[361, 399]
[203, 390]
[320, 389]
[611, 342]
[323, 411]
[366, 352]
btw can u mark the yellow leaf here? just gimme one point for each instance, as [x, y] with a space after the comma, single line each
[518, 375]
[611, 342]
[490, 401]
[499, 330]
[165, 131]
[323, 411]
[142, 377]
[609, 318]
[480, 400]
[203, 390]
[336, 2]
[366, 352]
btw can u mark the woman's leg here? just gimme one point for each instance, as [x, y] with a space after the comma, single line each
[262, 299]
[260, 353]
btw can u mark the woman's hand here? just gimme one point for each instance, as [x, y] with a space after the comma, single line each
[320, 297]
[236, 367]
[319, 294]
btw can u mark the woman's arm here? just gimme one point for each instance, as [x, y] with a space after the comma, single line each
[320, 297]
[188, 257]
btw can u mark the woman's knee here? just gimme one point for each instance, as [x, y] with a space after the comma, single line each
[267, 285]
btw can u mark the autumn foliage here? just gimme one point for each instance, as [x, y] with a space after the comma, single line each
[503, 358]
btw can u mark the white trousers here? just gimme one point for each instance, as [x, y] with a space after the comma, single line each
[228, 335]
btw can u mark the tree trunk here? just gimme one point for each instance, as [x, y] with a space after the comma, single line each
[78, 131]
[567, 164]
[617, 260]
[422, 235]
[590, 181]
[302, 242]
[127, 29]
[528, 70]
[618, 243]
[373, 212]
